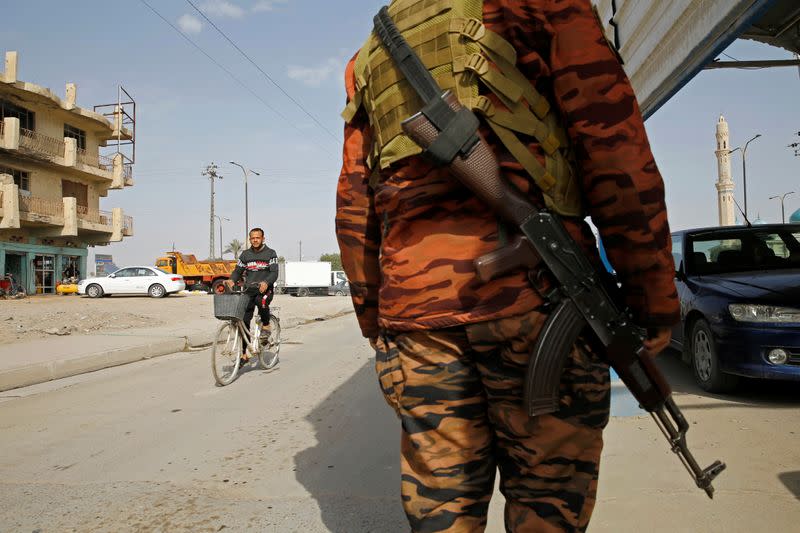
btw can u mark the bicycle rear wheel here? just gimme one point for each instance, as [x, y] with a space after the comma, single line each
[268, 357]
[226, 353]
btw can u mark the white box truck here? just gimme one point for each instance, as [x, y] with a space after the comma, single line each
[301, 278]
[337, 276]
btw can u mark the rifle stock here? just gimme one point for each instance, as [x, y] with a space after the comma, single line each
[479, 171]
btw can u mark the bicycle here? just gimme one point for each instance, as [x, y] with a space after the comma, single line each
[233, 339]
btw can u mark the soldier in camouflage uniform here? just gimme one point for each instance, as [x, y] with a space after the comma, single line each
[451, 351]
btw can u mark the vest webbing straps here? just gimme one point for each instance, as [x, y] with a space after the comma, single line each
[420, 50]
[458, 131]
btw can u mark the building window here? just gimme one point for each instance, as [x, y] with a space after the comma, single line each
[73, 189]
[74, 133]
[22, 179]
[26, 118]
[677, 251]
[71, 265]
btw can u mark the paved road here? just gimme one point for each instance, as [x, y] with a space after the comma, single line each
[312, 447]
[155, 446]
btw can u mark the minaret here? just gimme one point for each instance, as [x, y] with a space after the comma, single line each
[727, 208]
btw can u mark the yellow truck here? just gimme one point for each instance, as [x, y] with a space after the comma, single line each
[198, 275]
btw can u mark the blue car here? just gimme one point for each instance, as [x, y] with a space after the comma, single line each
[739, 289]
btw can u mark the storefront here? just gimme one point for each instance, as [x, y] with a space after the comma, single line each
[71, 267]
[44, 272]
[15, 265]
[39, 268]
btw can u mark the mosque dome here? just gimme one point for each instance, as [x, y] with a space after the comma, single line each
[795, 216]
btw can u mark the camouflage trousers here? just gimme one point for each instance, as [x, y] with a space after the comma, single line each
[458, 394]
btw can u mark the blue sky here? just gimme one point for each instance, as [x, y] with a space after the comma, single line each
[191, 113]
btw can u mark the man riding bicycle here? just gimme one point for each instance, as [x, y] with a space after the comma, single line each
[259, 267]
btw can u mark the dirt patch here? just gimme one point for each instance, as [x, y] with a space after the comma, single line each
[46, 316]
[35, 318]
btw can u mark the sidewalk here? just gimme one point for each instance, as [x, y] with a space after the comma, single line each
[37, 361]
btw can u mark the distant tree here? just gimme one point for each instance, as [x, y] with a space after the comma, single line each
[334, 259]
[235, 247]
[281, 259]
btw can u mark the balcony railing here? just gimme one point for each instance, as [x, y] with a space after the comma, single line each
[127, 224]
[127, 173]
[105, 163]
[95, 216]
[86, 158]
[41, 206]
[39, 143]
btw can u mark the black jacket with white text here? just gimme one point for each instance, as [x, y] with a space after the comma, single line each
[257, 266]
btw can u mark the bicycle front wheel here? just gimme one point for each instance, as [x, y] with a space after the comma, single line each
[269, 354]
[226, 353]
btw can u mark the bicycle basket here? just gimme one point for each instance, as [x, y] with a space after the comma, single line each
[230, 306]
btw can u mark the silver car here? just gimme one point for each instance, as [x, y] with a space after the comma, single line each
[133, 280]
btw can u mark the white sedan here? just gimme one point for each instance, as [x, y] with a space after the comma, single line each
[133, 280]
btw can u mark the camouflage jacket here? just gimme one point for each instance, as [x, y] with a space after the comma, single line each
[408, 245]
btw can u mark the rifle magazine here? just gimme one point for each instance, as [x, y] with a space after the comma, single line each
[553, 347]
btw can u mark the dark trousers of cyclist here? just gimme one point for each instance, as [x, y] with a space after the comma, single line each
[261, 302]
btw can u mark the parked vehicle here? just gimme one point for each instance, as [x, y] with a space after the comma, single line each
[337, 276]
[739, 289]
[133, 280]
[301, 278]
[198, 275]
[340, 289]
[10, 287]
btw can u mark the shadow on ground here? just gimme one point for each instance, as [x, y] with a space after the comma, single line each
[353, 471]
[792, 482]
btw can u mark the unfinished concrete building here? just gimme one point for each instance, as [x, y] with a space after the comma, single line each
[56, 161]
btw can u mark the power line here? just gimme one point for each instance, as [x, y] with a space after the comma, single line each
[275, 83]
[728, 65]
[285, 179]
[229, 73]
[161, 170]
[273, 173]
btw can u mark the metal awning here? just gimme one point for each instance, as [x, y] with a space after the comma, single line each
[778, 26]
[666, 44]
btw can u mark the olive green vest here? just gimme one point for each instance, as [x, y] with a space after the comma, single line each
[458, 50]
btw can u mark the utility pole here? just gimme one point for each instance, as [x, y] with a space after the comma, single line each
[245, 171]
[211, 173]
[796, 146]
[301, 250]
[226, 219]
[782, 198]
[744, 170]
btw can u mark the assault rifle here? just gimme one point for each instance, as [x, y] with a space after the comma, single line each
[448, 134]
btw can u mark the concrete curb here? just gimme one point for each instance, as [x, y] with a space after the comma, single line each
[24, 376]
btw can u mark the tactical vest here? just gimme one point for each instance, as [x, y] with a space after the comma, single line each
[459, 51]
